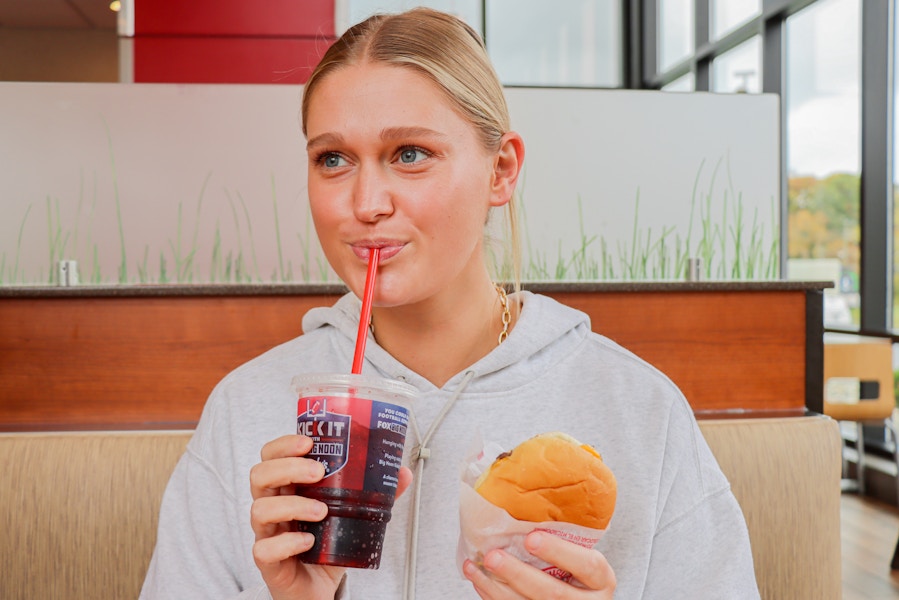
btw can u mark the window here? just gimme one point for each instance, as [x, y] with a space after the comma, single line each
[556, 44]
[727, 15]
[676, 32]
[823, 157]
[685, 83]
[739, 70]
[349, 12]
[576, 43]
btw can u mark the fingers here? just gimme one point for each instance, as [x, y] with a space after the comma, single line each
[287, 445]
[484, 584]
[271, 514]
[282, 467]
[589, 567]
[270, 551]
[275, 503]
[504, 576]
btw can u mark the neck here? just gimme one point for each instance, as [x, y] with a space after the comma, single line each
[442, 336]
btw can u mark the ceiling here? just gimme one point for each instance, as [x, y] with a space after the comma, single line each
[57, 14]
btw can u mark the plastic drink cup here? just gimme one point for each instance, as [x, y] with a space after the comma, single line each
[358, 427]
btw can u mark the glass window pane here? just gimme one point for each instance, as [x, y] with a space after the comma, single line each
[727, 15]
[676, 32]
[684, 83]
[823, 151]
[572, 43]
[740, 69]
[349, 12]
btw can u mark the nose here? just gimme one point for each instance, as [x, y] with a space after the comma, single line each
[372, 197]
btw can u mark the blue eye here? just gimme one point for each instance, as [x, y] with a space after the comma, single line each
[412, 155]
[331, 160]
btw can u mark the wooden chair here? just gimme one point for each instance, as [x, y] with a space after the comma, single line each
[858, 388]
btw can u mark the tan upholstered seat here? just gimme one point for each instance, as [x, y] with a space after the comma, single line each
[80, 509]
[785, 473]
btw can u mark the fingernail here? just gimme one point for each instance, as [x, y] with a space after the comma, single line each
[317, 471]
[493, 560]
[534, 541]
[469, 568]
[304, 445]
[321, 510]
[308, 540]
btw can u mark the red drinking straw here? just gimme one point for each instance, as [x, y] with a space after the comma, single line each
[365, 316]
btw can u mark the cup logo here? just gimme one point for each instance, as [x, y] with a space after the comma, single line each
[330, 433]
[316, 407]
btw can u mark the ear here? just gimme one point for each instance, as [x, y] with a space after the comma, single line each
[506, 168]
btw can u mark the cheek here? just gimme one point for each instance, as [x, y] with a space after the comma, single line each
[464, 200]
[322, 207]
[468, 214]
[458, 230]
[325, 226]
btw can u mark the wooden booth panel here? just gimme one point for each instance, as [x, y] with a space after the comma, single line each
[726, 351]
[131, 362]
[151, 361]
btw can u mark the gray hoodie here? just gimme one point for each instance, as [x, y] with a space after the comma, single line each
[677, 531]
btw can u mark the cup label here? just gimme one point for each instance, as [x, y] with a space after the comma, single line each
[330, 433]
[359, 441]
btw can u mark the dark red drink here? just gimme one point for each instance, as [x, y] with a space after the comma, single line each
[358, 427]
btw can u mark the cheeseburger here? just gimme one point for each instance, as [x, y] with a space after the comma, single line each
[551, 477]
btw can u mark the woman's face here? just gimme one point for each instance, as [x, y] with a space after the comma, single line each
[392, 165]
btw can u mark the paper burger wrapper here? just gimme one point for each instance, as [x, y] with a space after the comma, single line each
[485, 526]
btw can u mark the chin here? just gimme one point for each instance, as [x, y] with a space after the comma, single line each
[390, 293]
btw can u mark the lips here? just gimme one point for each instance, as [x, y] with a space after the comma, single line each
[389, 248]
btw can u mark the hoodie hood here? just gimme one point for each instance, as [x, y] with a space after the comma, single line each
[545, 333]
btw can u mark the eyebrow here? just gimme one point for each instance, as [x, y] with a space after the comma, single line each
[388, 134]
[325, 139]
[399, 133]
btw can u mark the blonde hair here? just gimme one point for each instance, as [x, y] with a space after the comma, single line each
[445, 50]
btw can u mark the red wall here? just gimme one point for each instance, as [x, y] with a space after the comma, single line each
[229, 41]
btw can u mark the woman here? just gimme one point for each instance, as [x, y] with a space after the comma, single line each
[410, 149]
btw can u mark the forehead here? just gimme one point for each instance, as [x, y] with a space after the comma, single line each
[370, 93]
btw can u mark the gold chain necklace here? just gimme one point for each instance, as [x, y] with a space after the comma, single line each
[507, 313]
[506, 316]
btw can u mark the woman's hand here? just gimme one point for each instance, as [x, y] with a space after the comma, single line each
[504, 577]
[273, 483]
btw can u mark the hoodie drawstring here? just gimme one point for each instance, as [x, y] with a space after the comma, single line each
[419, 454]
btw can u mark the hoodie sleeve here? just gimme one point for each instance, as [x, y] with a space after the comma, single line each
[704, 554]
[701, 546]
[197, 552]
[204, 538]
